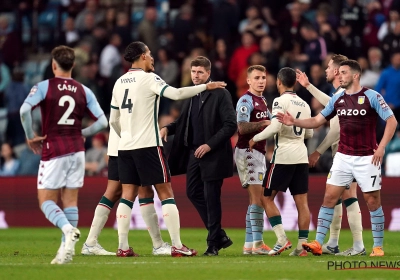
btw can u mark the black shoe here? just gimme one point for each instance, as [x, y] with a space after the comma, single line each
[211, 251]
[224, 243]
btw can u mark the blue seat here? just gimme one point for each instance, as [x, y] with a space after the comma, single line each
[48, 18]
[137, 17]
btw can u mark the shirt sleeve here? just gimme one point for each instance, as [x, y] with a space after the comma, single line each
[37, 93]
[329, 111]
[114, 103]
[275, 126]
[114, 121]
[92, 105]
[379, 104]
[319, 95]
[244, 108]
[157, 85]
[269, 131]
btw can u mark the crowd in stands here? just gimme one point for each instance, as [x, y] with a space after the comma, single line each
[234, 34]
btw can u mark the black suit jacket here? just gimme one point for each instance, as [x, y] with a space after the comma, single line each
[219, 121]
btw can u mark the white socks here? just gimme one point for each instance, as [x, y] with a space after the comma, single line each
[99, 220]
[171, 219]
[123, 220]
[335, 226]
[355, 223]
[151, 219]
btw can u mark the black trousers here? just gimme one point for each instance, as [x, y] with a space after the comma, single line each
[206, 198]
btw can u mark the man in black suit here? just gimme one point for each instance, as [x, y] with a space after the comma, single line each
[202, 149]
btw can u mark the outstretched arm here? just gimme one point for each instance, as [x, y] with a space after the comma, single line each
[270, 131]
[187, 92]
[249, 127]
[288, 119]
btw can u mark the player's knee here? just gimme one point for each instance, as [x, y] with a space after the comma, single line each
[373, 202]
[349, 194]
[330, 200]
[164, 191]
[113, 196]
[146, 192]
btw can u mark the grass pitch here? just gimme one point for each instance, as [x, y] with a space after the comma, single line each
[25, 253]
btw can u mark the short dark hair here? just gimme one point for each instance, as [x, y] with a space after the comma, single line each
[201, 61]
[308, 26]
[353, 64]
[64, 56]
[256, 67]
[134, 50]
[287, 76]
[339, 58]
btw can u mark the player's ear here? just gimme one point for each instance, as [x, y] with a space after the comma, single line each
[53, 65]
[336, 71]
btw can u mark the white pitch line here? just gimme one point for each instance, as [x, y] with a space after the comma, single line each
[266, 261]
[148, 262]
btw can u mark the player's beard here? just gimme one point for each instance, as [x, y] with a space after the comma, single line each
[346, 85]
[329, 80]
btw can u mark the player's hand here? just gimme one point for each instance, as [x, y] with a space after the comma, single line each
[251, 144]
[215, 85]
[313, 158]
[35, 144]
[286, 119]
[302, 78]
[202, 150]
[91, 166]
[164, 133]
[378, 156]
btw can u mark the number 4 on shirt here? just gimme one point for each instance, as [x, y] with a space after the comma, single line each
[127, 105]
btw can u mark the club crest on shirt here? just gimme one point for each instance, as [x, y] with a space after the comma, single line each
[33, 90]
[260, 176]
[361, 100]
[330, 175]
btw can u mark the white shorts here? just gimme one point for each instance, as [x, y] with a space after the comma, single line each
[67, 171]
[345, 168]
[251, 166]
